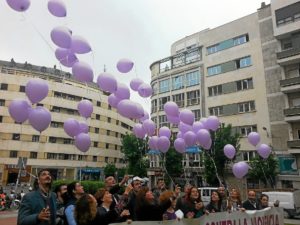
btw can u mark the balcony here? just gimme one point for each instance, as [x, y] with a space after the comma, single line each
[289, 56]
[294, 146]
[290, 85]
[292, 114]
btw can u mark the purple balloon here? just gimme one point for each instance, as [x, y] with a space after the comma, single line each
[83, 142]
[19, 5]
[163, 144]
[264, 150]
[36, 90]
[149, 127]
[39, 118]
[145, 90]
[71, 127]
[113, 100]
[124, 65]
[66, 57]
[164, 131]
[212, 123]
[145, 117]
[197, 126]
[240, 169]
[171, 109]
[203, 137]
[153, 143]
[139, 131]
[79, 45]
[207, 146]
[229, 151]
[61, 36]
[179, 135]
[135, 83]
[107, 82]
[183, 127]
[57, 8]
[82, 72]
[173, 119]
[187, 116]
[130, 109]
[85, 108]
[189, 138]
[19, 110]
[253, 138]
[179, 145]
[122, 91]
[203, 121]
[83, 127]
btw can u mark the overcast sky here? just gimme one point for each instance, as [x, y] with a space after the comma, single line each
[141, 30]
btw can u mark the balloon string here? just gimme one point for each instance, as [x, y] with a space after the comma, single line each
[162, 157]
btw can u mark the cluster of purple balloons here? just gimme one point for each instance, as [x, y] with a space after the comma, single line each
[143, 89]
[20, 110]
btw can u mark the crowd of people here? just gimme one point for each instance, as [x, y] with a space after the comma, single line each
[117, 202]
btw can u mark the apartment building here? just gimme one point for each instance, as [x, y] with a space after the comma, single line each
[245, 72]
[53, 148]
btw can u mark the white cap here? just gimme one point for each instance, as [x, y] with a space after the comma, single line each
[137, 178]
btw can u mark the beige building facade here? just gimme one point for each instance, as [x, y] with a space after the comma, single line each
[53, 148]
[241, 71]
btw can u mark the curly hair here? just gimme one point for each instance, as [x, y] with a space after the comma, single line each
[166, 196]
[85, 210]
[99, 195]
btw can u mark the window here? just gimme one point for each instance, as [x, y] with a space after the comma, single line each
[1, 119]
[108, 132]
[163, 121]
[177, 82]
[244, 84]
[94, 158]
[54, 124]
[164, 86]
[246, 107]
[247, 156]
[193, 97]
[192, 78]
[108, 119]
[3, 86]
[98, 104]
[116, 134]
[163, 101]
[107, 145]
[109, 107]
[179, 99]
[33, 155]
[52, 139]
[215, 90]
[13, 154]
[245, 130]
[216, 111]
[67, 141]
[95, 144]
[117, 122]
[240, 40]
[212, 49]
[214, 70]
[244, 62]
[106, 159]
[97, 117]
[96, 130]
[51, 156]
[153, 106]
[55, 109]
[2, 102]
[16, 137]
[35, 138]
[22, 89]
[116, 147]
[82, 157]
[197, 114]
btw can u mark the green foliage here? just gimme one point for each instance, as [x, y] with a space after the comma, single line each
[134, 150]
[89, 186]
[215, 158]
[264, 170]
[173, 163]
[110, 170]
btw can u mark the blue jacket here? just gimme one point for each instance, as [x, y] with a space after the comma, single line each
[32, 204]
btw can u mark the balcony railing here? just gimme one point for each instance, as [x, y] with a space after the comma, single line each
[292, 111]
[288, 53]
[290, 81]
[293, 144]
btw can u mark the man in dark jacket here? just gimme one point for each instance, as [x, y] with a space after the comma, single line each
[39, 207]
[251, 203]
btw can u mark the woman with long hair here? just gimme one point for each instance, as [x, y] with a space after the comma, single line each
[147, 209]
[164, 198]
[215, 204]
[234, 201]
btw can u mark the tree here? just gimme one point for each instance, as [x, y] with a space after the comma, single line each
[264, 170]
[134, 150]
[173, 163]
[110, 170]
[214, 158]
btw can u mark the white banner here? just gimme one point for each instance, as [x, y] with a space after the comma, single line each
[269, 216]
